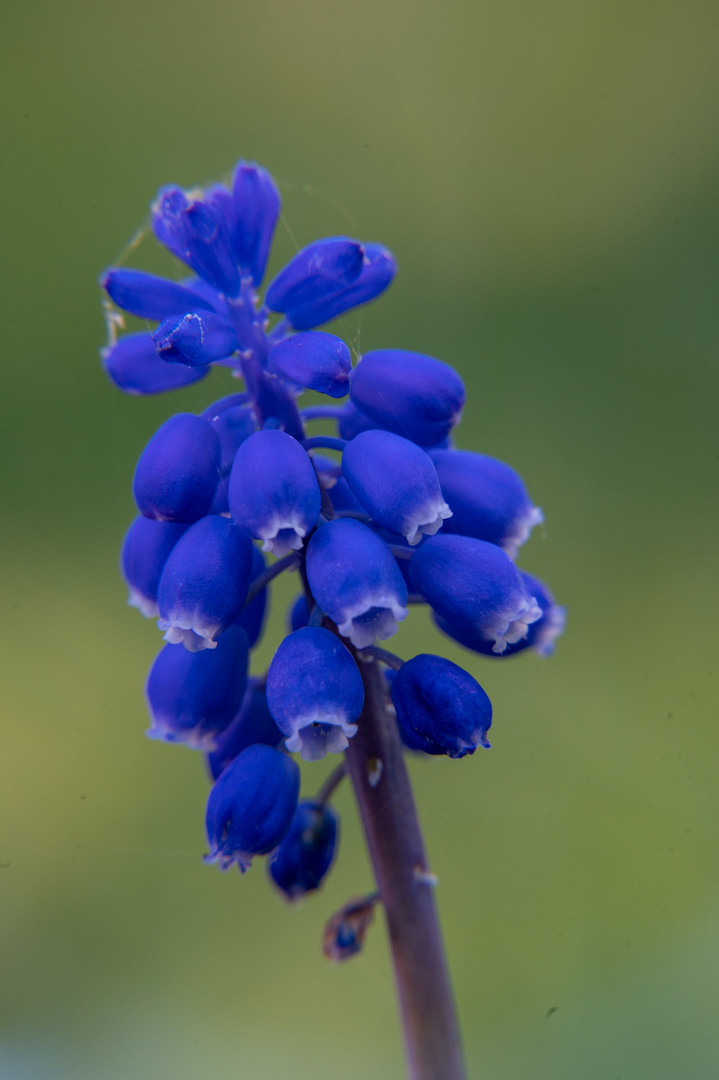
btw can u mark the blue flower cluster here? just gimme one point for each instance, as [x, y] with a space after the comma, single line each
[389, 513]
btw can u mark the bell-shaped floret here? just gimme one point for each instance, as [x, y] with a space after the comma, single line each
[352, 421]
[257, 208]
[314, 360]
[541, 634]
[132, 364]
[378, 270]
[204, 583]
[197, 338]
[298, 615]
[177, 474]
[252, 616]
[396, 483]
[440, 708]
[145, 551]
[355, 580]
[195, 232]
[474, 584]
[148, 296]
[320, 270]
[253, 724]
[409, 393]
[234, 422]
[273, 490]
[488, 498]
[251, 806]
[315, 692]
[305, 855]
[193, 697]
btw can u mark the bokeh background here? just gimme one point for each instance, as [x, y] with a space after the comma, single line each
[546, 174]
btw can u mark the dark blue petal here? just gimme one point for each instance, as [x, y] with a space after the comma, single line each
[234, 422]
[395, 482]
[474, 584]
[440, 708]
[145, 551]
[306, 853]
[314, 692]
[314, 360]
[193, 697]
[197, 338]
[257, 208]
[273, 491]
[353, 421]
[253, 724]
[541, 634]
[356, 581]
[195, 232]
[299, 614]
[148, 296]
[252, 616]
[316, 272]
[409, 393]
[176, 476]
[204, 583]
[378, 270]
[251, 806]
[488, 498]
[133, 364]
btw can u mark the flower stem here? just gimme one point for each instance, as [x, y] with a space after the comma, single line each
[386, 805]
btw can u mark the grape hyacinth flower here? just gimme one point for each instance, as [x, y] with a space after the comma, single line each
[375, 513]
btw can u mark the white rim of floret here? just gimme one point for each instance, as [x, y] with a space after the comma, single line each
[269, 534]
[520, 529]
[554, 619]
[312, 742]
[511, 626]
[195, 638]
[144, 604]
[382, 625]
[426, 521]
[194, 738]
[243, 860]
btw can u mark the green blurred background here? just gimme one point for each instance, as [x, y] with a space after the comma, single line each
[546, 174]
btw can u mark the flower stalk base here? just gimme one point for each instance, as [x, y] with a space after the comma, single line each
[389, 819]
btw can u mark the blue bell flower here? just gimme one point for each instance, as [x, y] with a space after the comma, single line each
[488, 498]
[234, 422]
[319, 270]
[409, 393]
[440, 708]
[197, 338]
[541, 634]
[204, 583]
[378, 270]
[355, 580]
[313, 360]
[352, 421]
[195, 232]
[251, 806]
[252, 724]
[298, 614]
[474, 584]
[396, 483]
[145, 551]
[193, 697]
[148, 296]
[257, 207]
[314, 692]
[177, 474]
[133, 365]
[305, 855]
[273, 490]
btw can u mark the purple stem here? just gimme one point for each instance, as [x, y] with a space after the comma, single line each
[384, 796]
